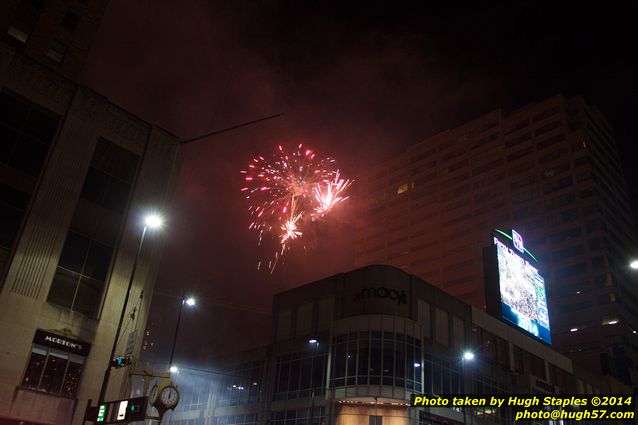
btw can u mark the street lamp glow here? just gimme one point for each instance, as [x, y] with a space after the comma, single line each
[153, 221]
[312, 341]
[634, 264]
[190, 301]
[417, 364]
[468, 355]
[173, 369]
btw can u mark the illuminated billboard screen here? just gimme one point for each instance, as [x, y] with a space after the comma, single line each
[522, 291]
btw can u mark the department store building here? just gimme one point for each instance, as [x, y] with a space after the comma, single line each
[352, 348]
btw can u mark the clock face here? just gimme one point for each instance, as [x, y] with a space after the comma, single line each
[169, 396]
[152, 396]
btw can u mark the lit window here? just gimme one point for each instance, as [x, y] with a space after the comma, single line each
[402, 188]
[18, 34]
[56, 369]
[26, 16]
[56, 51]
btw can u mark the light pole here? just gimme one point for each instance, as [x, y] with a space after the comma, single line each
[467, 356]
[314, 342]
[151, 221]
[190, 301]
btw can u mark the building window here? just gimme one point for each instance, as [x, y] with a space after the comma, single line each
[56, 51]
[81, 274]
[53, 371]
[13, 203]
[377, 358]
[403, 188]
[441, 376]
[527, 363]
[550, 142]
[197, 397]
[250, 419]
[376, 420]
[83, 267]
[110, 176]
[304, 416]
[17, 34]
[70, 20]
[26, 16]
[548, 127]
[241, 385]
[559, 153]
[302, 374]
[545, 114]
[511, 129]
[518, 140]
[26, 132]
[554, 171]
[520, 154]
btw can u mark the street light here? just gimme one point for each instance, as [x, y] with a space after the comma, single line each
[467, 356]
[189, 301]
[173, 369]
[634, 264]
[151, 221]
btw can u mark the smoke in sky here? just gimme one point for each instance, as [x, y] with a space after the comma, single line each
[356, 81]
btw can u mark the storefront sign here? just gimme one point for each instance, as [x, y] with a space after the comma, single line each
[393, 294]
[543, 385]
[62, 343]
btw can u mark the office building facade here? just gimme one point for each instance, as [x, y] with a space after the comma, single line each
[352, 348]
[77, 173]
[551, 171]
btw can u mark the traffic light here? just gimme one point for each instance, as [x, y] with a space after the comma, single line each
[120, 361]
[116, 412]
[136, 410]
[101, 412]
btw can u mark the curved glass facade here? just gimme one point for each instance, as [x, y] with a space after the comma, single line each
[377, 358]
[242, 385]
[301, 374]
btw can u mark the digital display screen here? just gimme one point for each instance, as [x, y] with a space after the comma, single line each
[522, 290]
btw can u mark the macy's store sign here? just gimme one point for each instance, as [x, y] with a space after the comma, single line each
[399, 296]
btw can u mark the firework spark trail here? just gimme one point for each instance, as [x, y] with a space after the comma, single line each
[290, 190]
[327, 194]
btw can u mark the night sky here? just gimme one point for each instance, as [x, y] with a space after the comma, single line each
[358, 82]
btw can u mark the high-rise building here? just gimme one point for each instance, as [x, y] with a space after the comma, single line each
[57, 34]
[76, 175]
[551, 171]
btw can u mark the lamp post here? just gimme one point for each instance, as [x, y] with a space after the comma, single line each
[151, 221]
[467, 356]
[190, 301]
